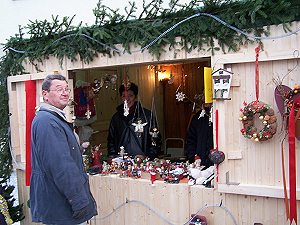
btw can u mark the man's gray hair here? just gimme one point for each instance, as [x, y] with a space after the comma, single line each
[48, 80]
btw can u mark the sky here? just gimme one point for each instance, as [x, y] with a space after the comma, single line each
[19, 12]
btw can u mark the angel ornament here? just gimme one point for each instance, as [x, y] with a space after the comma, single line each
[88, 113]
[154, 135]
[139, 127]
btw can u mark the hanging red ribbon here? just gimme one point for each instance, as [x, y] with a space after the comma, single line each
[217, 129]
[30, 89]
[286, 201]
[257, 49]
[217, 142]
[292, 164]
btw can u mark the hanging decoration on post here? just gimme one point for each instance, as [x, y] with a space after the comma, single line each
[258, 109]
[126, 86]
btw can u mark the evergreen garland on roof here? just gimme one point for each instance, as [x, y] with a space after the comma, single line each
[41, 39]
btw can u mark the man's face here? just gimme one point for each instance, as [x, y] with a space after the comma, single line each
[131, 98]
[58, 95]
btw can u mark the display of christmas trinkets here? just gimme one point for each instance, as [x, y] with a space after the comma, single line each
[198, 174]
[158, 169]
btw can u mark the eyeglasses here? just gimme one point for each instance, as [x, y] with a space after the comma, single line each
[61, 90]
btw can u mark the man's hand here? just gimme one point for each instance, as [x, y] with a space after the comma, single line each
[80, 213]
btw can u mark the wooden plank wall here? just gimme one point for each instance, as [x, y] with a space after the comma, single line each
[174, 203]
[171, 202]
[261, 162]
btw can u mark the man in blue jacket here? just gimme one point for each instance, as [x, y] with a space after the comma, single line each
[59, 189]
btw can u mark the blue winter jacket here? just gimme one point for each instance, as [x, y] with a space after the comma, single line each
[58, 185]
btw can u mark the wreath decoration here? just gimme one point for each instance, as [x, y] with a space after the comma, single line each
[265, 113]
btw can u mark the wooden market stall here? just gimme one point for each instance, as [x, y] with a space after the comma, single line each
[250, 184]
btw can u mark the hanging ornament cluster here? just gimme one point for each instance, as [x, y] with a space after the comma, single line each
[265, 114]
[290, 98]
[288, 103]
[285, 98]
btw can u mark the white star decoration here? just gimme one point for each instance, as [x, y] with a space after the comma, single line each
[180, 96]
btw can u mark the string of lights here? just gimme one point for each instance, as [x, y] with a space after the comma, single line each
[249, 36]
[162, 217]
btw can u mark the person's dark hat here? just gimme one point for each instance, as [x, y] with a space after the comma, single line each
[132, 87]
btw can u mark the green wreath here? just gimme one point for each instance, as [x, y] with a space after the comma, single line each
[267, 116]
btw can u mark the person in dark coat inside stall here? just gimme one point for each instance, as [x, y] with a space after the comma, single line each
[59, 188]
[131, 129]
[199, 139]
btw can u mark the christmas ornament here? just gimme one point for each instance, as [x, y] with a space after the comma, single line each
[126, 108]
[153, 129]
[139, 127]
[97, 85]
[122, 152]
[88, 113]
[113, 81]
[216, 156]
[96, 155]
[180, 96]
[137, 120]
[154, 135]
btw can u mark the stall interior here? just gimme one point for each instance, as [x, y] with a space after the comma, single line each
[172, 91]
